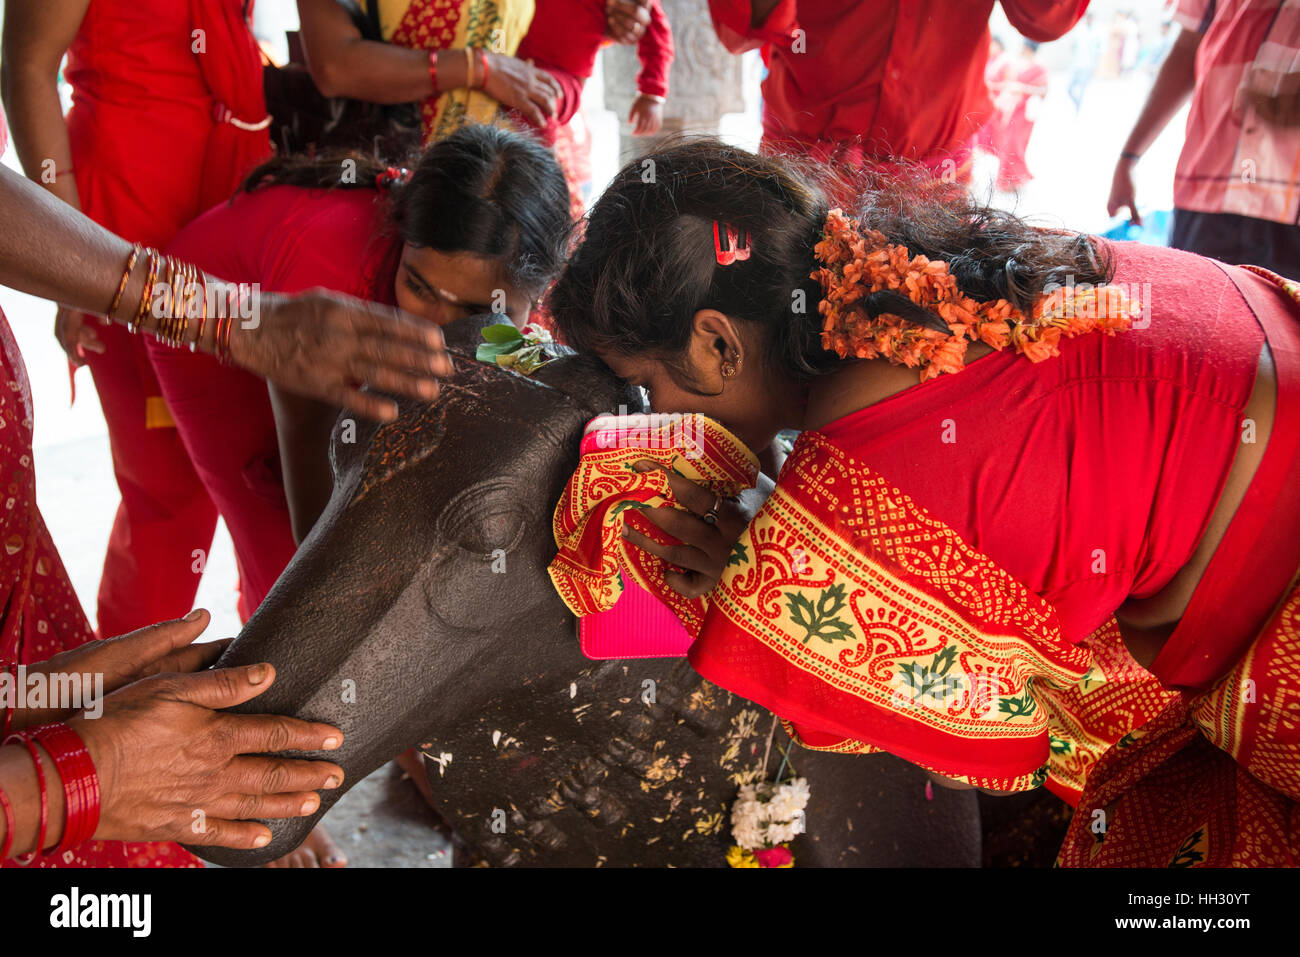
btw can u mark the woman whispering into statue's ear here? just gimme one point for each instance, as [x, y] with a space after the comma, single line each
[475, 224]
[1019, 468]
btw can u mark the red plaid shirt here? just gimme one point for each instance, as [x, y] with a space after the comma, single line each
[1235, 160]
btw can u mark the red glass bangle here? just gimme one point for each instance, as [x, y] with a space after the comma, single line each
[45, 799]
[80, 782]
[9, 826]
[223, 335]
[482, 59]
[433, 71]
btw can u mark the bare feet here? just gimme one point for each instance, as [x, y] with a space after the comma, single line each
[319, 850]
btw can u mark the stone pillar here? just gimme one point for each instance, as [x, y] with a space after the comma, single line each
[705, 81]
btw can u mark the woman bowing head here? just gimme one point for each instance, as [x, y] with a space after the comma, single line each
[1018, 479]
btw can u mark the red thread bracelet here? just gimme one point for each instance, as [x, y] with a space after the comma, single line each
[80, 782]
[9, 825]
[45, 800]
[433, 70]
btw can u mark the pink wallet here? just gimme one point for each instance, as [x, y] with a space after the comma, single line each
[639, 625]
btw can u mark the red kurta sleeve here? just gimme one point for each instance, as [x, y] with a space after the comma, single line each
[570, 95]
[731, 22]
[656, 53]
[1044, 20]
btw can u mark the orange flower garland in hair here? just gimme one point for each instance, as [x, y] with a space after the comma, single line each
[859, 262]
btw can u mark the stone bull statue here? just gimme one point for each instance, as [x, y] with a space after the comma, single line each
[418, 613]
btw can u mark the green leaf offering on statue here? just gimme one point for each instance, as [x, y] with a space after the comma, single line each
[520, 350]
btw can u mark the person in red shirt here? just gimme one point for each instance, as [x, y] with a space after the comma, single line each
[856, 83]
[157, 748]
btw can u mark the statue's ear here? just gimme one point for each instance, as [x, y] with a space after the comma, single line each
[348, 447]
[591, 384]
[349, 439]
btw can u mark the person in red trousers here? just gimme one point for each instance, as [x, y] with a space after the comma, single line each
[168, 115]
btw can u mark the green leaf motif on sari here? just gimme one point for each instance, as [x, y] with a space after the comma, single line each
[922, 679]
[822, 619]
[1060, 745]
[1020, 706]
[739, 555]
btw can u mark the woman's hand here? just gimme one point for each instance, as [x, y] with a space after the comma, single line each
[626, 20]
[173, 768]
[518, 85]
[705, 549]
[327, 346]
[76, 334]
[158, 649]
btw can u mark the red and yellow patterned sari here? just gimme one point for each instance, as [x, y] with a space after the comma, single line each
[496, 25]
[868, 624]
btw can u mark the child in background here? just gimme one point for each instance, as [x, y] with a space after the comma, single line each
[564, 38]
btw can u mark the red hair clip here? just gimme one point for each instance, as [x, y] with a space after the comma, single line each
[735, 250]
[390, 176]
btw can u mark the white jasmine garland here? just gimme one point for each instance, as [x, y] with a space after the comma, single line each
[766, 815]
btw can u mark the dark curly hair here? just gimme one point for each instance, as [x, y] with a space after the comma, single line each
[482, 189]
[647, 264]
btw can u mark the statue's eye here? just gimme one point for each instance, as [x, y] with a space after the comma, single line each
[484, 517]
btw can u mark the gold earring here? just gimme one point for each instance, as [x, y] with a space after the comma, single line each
[729, 368]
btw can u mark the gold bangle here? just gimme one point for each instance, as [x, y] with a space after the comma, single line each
[126, 277]
[182, 325]
[202, 281]
[175, 276]
[469, 68]
[155, 257]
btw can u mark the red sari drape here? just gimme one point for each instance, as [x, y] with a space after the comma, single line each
[869, 624]
[42, 615]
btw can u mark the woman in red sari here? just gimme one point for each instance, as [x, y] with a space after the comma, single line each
[1019, 86]
[454, 57]
[167, 117]
[478, 227]
[1017, 552]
